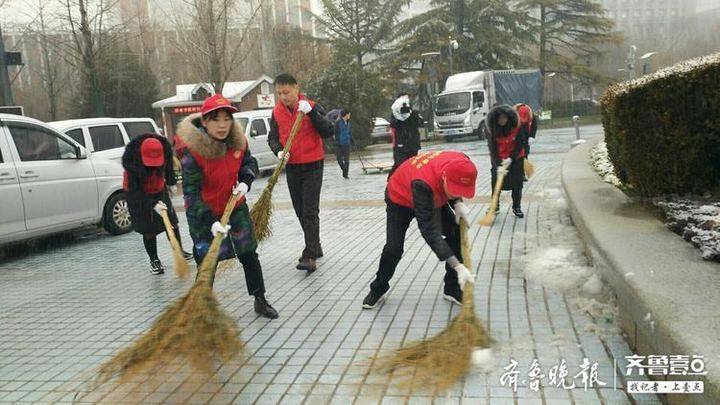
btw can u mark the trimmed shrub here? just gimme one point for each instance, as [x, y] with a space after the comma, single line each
[663, 130]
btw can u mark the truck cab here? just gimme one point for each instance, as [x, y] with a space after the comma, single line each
[461, 109]
[461, 113]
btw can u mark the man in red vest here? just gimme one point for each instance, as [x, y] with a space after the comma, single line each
[424, 187]
[304, 161]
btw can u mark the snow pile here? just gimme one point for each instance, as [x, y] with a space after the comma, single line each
[697, 222]
[559, 264]
[602, 165]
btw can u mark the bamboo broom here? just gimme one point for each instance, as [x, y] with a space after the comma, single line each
[193, 331]
[180, 265]
[489, 218]
[529, 168]
[440, 362]
[261, 211]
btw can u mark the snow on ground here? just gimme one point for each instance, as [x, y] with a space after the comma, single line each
[559, 264]
[602, 165]
[698, 222]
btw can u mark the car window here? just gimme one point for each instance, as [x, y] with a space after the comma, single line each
[258, 127]
[243, 123]
[106, 137]
[135, 129]
[37, 143]
[77, 136]
[477, 99]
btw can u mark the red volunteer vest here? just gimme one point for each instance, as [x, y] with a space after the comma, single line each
[151, 185]
[427, 167]
[505, 145]
[307, 147]
[219, 177]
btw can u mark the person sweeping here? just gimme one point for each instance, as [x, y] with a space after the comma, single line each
[148, 173]
[216, 163]
[305, 160]
[507, 143]
[425, 187]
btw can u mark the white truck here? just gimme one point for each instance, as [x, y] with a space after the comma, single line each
[461, 109]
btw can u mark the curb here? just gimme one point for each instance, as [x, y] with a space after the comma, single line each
[651, 271]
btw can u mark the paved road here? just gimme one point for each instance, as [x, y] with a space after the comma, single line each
[68, 304]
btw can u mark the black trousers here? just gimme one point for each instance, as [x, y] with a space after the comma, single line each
[343, 158]
[513, 180]
[398, 221]
[253, 272]
[305, 182]
[399, 157]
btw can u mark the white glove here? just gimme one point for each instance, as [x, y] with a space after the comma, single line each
[304, 107]
[175, 190]
[240, 188]
[286, 155]
[160, 207]
[502, 171]
[464, 275]
[506, 163]
[218, 228]
[461, 212]
[531, 140]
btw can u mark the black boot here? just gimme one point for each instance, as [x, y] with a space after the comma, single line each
[263, 308]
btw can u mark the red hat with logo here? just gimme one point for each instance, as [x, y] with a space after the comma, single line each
[460, 176]
[217, 102]
[524, 112]
[152, 153]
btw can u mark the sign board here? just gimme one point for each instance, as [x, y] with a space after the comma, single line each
[186, 110]
[12, 109]
[13, 58]
[546, 115]
[266, 100]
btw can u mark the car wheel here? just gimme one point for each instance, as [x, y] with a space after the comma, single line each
[116, 218]
[479, 131]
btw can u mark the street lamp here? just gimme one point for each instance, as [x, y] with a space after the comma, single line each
[646, 61]
[452, 46]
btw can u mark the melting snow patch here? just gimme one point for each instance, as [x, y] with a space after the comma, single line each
[697, 222]
[602, 165]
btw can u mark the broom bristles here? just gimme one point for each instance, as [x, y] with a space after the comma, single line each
[529, 168]
[440, 362]
[180, 265]
[193, 330]
[489, 218]
[261, 211]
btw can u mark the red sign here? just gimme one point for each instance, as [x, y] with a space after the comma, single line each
[186, 110]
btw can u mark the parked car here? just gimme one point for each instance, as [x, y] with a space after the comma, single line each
[381, 130]
[256, 125]
[49, 183]
[105, 137]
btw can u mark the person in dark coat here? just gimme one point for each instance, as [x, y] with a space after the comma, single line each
[343, 142]
[147, 161]
[528, 120]
[507, 144]
[405, 125]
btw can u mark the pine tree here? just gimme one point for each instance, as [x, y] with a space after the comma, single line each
[569, 33]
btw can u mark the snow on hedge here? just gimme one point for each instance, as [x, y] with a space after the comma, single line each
[602, 165]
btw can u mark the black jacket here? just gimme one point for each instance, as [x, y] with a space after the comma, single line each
[322, 125]
[429, 223]
[407, 134]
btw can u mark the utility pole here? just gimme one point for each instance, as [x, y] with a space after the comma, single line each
[6, 93]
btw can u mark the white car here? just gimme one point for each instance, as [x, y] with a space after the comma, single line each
[256, 125]
[50, 184]
[381, 129]
[105, 137]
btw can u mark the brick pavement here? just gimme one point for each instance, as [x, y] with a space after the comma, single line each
[67, 308]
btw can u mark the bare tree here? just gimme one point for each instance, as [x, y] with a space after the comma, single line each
[214, 36]
[91, 31]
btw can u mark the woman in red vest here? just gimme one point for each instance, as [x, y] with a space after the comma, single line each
[216, 163]
[424, 187]
[507, 144]
[304, 170]
[147, 161]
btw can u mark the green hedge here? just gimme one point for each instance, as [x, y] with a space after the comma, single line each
[663, 130]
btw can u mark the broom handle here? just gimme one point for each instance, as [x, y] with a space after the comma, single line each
[498, 188]
[174, 242]
[207, 272]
